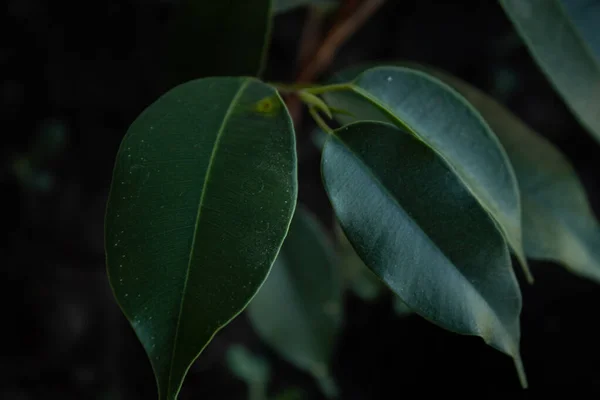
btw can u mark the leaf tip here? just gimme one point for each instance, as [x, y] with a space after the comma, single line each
[325, 381]
[526, 270]
[521, 371]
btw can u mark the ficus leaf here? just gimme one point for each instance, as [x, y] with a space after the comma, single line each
[439, 116]
[563, 36]
[558, 221]
[418, 227]
[204, 188]
[298, 310]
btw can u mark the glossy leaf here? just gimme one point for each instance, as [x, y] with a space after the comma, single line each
[417, 227]
[217, 38]
[558, 222]
[360, 279]
[298, 310]
[281, 6]
[563, 36]
[446, 122]
[204, 188]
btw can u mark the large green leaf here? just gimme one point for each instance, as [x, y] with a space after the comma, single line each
[563, 36]
[204, 189]
[298, 310]
[444, 120]
[558, 222]
[417, 226]
[217, 38]
[281, 6]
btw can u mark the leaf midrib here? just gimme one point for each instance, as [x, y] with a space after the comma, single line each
[386, 191]
[226, 118]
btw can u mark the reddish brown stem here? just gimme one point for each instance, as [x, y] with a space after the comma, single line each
[351, 15]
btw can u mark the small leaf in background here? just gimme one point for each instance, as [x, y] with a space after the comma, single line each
[563, 37]
[318, 138]
[250, 368]
[203, 191]
[298, 310]
[31, 178]
[358, 277]
[416, 226]
[410, 99]
[31, 168]
[281, 6]
[217, 38]
[558, 222]
[400, 307]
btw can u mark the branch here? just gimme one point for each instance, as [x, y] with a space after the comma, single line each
[349, 18]
[336, 37]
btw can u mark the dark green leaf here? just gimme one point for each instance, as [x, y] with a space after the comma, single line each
[204, 188]
[360, 279]
[558, 222]
[418, 228]
[298, 310]
[446, 122]
[563, 36]
[217, 38]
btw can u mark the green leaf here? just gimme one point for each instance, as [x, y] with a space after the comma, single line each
[298, 310]
[558, 222]
[360, 279]
[252, 369]
[439, 116]
[217, 38]
[400, 307]
[281, 6]
[418, 228]
[563, 37]
[204, 188]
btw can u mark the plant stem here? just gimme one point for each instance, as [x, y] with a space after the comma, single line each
[336, 37]
[319, 120]
[313, 58]
[336, 87]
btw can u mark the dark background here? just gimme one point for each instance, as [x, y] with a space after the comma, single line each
[74, 75]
